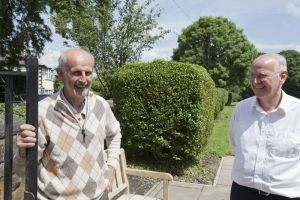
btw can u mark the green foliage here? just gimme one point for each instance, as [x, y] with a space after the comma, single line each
[217, 146]
[58, 84]
[248, 92]
[116, 32]
[233, 97]
[22, 31]
[165, 109]
[101, 85]
[292, 84]
[206, 166]
[218, 142]
[221, 100]
[97, 87]
[2, 108]
[216, 44]
[18, 109]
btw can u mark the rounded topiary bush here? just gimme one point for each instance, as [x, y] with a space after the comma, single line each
[166, 110]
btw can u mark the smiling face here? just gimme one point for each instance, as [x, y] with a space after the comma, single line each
[266, 82]
[77, 75]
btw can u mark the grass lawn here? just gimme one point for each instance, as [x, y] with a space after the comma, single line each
[218, 143]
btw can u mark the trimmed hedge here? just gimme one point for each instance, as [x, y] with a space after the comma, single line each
[166, 110]
[221, 100]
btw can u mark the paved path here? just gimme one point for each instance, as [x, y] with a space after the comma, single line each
[220, 190]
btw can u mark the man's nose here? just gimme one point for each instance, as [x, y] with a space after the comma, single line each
[83, 76]
[256, 80]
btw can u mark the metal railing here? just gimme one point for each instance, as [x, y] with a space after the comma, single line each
[31, 118]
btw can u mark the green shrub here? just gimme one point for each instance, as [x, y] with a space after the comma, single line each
[97, 87]
[221, 100]
[248, 92]
[102, 86]
[58, 84]
[18, 109]
[165, 109]
[233, 97]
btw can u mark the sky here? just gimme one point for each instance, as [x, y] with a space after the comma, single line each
[271, 25]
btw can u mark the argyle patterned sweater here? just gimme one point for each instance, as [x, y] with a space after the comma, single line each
[70, 167]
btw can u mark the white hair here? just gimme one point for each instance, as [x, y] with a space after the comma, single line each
[280, 62]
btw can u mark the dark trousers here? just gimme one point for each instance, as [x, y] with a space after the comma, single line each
[239, 192]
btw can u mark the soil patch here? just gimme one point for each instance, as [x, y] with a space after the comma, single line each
[204, 174]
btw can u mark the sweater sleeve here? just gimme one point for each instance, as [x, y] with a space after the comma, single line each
[19, 163]
[113, 138]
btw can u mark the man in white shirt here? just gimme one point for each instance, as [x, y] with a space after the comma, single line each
[265, 136]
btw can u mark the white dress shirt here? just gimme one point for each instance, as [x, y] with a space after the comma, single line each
[267, 146]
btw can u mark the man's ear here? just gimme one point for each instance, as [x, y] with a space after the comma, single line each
[60, 73]
[283, 76]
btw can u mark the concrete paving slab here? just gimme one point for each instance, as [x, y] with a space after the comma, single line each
[229, 167]
[178, 191]
[225, 177]
[220, 192]
[228, 160]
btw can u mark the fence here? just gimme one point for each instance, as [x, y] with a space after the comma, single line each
[31, 118]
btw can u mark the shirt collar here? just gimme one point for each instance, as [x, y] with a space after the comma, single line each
[282, 107]
[71, 107]
[284, 102]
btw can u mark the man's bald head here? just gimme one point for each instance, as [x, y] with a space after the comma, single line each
[277, 60]
[74, 53]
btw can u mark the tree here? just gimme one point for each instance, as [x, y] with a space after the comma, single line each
[22, 31]
[292, 84]
[216, 44]
[115, 31]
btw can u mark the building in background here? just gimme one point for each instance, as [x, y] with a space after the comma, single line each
[46, 79]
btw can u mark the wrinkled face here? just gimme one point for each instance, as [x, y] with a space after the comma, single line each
[77, 77]
[265, 81]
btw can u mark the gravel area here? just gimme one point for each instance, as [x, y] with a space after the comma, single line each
[140, 185]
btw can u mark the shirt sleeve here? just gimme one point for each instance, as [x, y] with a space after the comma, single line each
[113, 138]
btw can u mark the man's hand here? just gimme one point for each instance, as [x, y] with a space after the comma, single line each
[111, 176]
[26, 138]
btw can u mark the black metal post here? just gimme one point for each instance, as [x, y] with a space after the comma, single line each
[8, 138]
[31, 118]
[8, 156]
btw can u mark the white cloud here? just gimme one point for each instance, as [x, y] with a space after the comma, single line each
[293, 9]
[50, 58]
[276, 47]
[157, 53]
